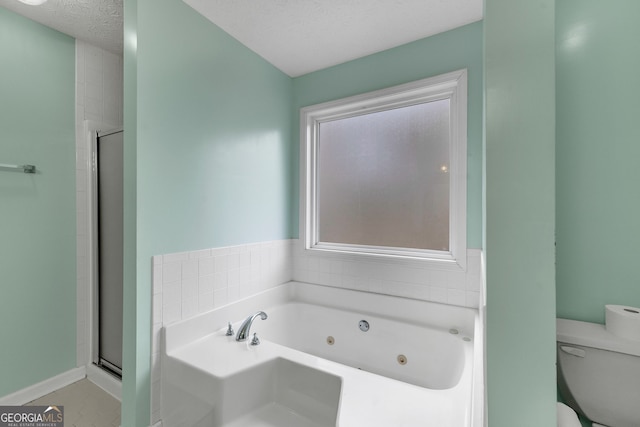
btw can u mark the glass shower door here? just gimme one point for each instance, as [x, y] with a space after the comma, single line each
[109, 245]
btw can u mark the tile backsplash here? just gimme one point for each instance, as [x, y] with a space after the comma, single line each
[189, 283]
[452, 287]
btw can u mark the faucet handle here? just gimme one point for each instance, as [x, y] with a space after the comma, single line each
[229, 330]
[255, 340]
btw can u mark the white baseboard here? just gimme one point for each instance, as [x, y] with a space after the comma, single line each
[43, 388]
[105, 381]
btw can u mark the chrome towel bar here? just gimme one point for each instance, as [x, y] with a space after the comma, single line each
[24, 168]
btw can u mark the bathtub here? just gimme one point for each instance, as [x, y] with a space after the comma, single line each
[327, 357]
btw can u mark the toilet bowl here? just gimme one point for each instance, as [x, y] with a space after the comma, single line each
[599, 373]
[567, 417]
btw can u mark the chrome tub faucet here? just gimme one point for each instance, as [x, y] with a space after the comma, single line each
[243, 332]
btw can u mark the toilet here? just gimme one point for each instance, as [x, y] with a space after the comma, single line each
[599, 373]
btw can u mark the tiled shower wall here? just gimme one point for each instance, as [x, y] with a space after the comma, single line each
[99, 86]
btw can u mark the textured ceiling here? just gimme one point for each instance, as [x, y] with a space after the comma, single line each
[98, 22]
[300, 36]
[296, 36]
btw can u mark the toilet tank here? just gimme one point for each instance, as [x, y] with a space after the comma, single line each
[599, 373]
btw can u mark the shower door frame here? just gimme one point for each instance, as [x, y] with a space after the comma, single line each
[95, 357]
[86, 293]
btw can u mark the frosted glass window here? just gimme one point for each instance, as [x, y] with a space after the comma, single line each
[384, 173]
[382, 178]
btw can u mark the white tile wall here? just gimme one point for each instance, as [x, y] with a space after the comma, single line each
[99, 97]
[189, 283]
[426, 283]
[99, 85]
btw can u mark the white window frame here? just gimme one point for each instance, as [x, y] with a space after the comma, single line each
[452, 86]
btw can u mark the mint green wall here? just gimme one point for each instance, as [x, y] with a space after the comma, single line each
[37, 212]
[520, 212]
[598, 156]
[213, 135]
[449, 51]
[212, 156]
[135, 339]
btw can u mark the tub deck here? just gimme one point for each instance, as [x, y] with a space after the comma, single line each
[194, 355]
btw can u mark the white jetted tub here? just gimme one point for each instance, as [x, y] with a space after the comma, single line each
[327, 357]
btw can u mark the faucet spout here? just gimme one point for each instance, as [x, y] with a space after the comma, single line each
[243, 332]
